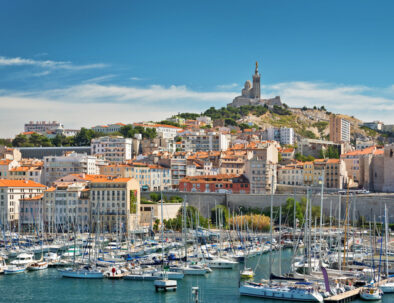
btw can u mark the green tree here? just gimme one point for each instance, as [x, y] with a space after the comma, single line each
[288, 212]
[222, 213]
[155, 197]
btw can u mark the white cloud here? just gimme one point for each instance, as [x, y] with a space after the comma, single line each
[17, 61]
[90, 104]
[366, 103]
[136, 79]
[100, 79]
[227, 86]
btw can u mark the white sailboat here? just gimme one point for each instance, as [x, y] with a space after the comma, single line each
[164, 283]
[283, 290]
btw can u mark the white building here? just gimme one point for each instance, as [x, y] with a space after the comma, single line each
[163, 131]
[42, 126]
[11, 192]
[201, 141]
[377, 125]
[56, 167]
[112, 148]
[107, 129]
[284, 135]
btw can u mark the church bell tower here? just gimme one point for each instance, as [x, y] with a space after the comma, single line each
[256, 82]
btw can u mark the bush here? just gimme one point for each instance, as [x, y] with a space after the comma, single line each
[253, 222]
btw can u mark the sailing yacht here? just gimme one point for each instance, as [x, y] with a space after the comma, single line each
[164, 283]
[85, 272]
[3, 265]
[371, 293]
[290, 292]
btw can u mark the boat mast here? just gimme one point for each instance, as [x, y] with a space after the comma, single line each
[346, 224]
[386, 223]
[280, 240]
[271, 220]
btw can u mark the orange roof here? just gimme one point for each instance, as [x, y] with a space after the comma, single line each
[109, 179]
[287, 150]
[51, 189]
[38, 197]
[5, 162]
[365, 151]
[333, 161]
[19, 183]
[378, 152]
[28, 133]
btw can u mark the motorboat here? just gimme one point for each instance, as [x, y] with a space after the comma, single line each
[14, 269]
[23, 259]
[221, 263]
[247, 273]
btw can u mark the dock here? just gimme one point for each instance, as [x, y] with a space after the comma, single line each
[350, 295]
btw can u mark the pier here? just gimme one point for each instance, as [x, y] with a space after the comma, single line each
[350, 295]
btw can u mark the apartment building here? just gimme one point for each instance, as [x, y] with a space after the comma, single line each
[11, 192]
[42, 126]
[108, 129]
[224, 183]
[284, 135]
[339, 129]
[112, 148]
[149, 176]
[56, 167]
[291, 174]
[115, 203]
[261, 169]
[201, 141]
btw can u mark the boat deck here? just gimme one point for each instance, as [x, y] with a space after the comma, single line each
[350, 295]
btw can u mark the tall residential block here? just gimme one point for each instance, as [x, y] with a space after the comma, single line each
[339, 129]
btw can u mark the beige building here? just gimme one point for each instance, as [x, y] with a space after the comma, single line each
[115, 203]
[339, 129]
[11, 192]
[261, 169]
[149, 176]
[151, 212]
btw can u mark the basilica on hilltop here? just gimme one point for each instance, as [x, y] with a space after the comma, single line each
[251, 94]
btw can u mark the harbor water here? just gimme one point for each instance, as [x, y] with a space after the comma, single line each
[219, 286]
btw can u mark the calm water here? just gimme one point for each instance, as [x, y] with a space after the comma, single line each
[219, 286]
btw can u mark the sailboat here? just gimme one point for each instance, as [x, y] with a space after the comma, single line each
[164, 283]
[85, 272]
[40, 264]
[389, 286]
[246, 272]
[294, 291]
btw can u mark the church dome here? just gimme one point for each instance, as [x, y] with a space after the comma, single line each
[248, 84]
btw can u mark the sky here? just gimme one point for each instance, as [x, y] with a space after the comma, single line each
[92, 62]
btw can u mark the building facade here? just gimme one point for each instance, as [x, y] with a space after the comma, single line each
[339, 129]
[71, 163]
[113, 148]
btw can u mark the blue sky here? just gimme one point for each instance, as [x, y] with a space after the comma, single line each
[91, 62]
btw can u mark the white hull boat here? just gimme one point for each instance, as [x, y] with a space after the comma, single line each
[371, 294]
[14, 269]
[40, 265]
[82, 273]
[285, 293]
[387, 288]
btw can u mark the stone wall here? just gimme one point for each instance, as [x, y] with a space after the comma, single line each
[369, 205]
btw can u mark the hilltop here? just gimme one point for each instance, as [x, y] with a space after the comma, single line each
[307, 122]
